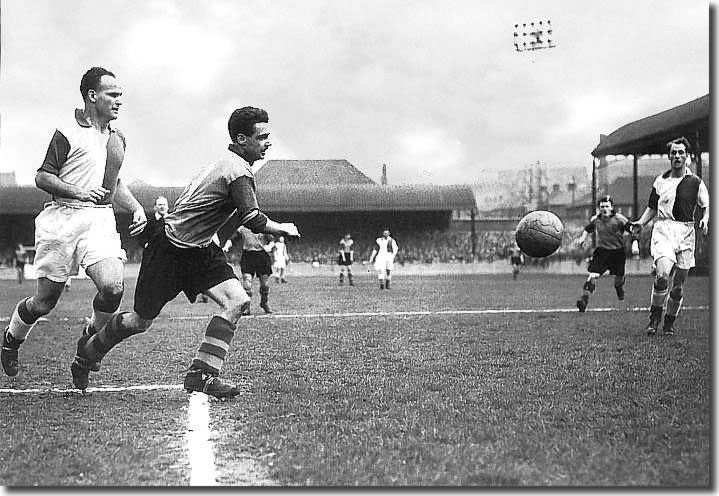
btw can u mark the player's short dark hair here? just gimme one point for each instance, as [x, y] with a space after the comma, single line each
[679, 141]
[605, 198]
[243, 121]
[91, 79]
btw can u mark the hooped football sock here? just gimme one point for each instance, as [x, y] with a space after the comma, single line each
[213, 350]
[22, 321]
[659, 297]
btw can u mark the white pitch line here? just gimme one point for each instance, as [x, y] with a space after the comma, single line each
[99, 389]
[199, 442]
[422, 312]
[438, 312]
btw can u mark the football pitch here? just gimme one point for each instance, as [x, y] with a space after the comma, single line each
[466, 380]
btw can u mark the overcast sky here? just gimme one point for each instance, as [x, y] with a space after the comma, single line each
[434, 89]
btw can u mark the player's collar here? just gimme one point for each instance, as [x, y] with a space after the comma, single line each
[83, 122]
[234, 148]
[687, 172]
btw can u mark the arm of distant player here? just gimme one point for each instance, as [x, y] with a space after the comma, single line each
[648, 214]
[703, 204]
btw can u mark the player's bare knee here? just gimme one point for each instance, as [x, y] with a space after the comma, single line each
[111, 294]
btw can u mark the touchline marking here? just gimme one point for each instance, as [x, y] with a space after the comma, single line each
[98, 389]
[438, 312]
[199, 442]
[419, 312]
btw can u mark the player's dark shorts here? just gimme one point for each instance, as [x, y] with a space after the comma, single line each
[612, 260]
[516, 260]
[167, 270]
[256, 263]
[346, 260]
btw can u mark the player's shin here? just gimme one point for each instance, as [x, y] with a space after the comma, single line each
[619, 286]
[212, 352]
[264, 298]
[660, 290]
[22, 321]
[674, 304]
[99, 344]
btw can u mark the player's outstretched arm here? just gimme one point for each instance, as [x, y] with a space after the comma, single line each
[281, 228]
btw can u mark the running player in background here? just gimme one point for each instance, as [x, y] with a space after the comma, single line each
[77, 228]
[382, 256]
[255, 261]
[516, 259]
[675, 197]
[345, 258]
[609, 254]
[21, 257]
[184, 258]
[280, 259]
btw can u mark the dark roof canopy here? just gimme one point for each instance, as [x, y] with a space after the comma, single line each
[296, 198]
[365, 197]
[650, 134]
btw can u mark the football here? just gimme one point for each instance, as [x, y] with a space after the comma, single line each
[539, 233]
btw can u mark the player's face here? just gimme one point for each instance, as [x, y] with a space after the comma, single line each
[106, 98]
[161, 207]
[385, 234]
[605, 208]
[257, 144]
[678, 155]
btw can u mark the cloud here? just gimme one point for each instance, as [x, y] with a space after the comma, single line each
[427, 156]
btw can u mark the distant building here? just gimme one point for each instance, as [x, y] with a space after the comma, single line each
[8, 179]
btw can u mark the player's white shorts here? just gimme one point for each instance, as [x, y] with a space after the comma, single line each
[383, 264]
[674, 240]
[279, 264]
[67, 237]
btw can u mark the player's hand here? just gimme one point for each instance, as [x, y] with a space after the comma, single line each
[704, 226]
[636, 228]
[139, 221]
[290, 229]
[94, 195]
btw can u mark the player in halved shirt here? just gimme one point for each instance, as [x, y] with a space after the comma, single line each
[383, 254]
[184, 258]
[77, 228]
[675, 197]
[609, 254]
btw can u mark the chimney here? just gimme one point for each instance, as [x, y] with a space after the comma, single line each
[384, 175]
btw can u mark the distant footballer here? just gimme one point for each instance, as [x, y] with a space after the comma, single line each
[609, 255]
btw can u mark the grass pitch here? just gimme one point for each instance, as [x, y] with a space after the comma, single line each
[522, 398]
